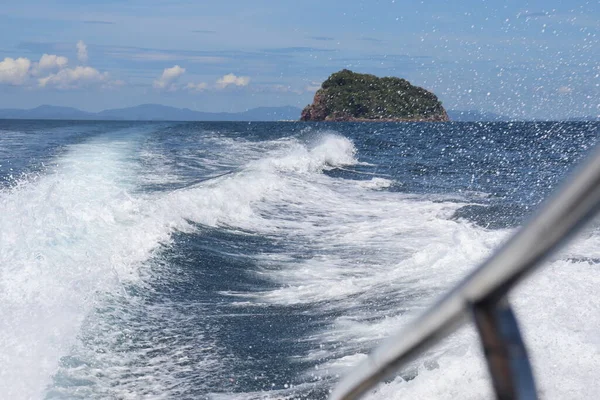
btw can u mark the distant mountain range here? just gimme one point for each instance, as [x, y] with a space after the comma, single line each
[157, 112]
[152, 112]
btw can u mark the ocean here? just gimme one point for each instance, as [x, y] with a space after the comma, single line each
[165, 260]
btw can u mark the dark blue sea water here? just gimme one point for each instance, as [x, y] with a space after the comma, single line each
[262, 260]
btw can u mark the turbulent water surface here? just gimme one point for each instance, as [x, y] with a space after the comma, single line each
[260, 261]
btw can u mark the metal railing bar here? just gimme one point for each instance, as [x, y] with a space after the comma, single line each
[577, 201]
[504, 350]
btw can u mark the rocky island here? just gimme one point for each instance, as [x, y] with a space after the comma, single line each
[349, 96]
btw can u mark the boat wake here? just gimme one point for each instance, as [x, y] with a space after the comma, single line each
[246, 268]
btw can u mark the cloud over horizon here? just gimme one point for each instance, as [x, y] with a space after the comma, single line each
[231, 79]
[73, 78]
[53, 71]
[23, 71]
[52, 61]
[168, 78]
[14, 71]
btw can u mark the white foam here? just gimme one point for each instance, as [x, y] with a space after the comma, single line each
[376, 183]
[559, 317]
[64, 238]
[367, 242]
[381, 257]
[83, 230]
[327, 151]
[376, 257]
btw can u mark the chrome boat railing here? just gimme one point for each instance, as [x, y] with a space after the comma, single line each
[482, 297]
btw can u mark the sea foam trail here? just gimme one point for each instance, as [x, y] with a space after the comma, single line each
[64, 238]
[372, 258]
[379, 258]
[559, 317]
[231, 201]
[83, 229]
[422, 255]
[234, 199]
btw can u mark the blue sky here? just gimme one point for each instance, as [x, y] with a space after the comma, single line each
[522, 59]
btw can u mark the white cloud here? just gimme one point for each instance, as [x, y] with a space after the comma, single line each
[231, 79]
[52, 61]
[198, 87]
[168, 77]
[82, 54]
[20, 71]
[14, 72]
[72, 78]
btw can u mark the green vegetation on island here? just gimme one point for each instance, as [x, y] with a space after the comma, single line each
[349, 96]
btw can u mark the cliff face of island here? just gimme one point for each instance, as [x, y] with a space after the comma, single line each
[348, 96]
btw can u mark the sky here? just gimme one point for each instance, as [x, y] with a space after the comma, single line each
[536, 59]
